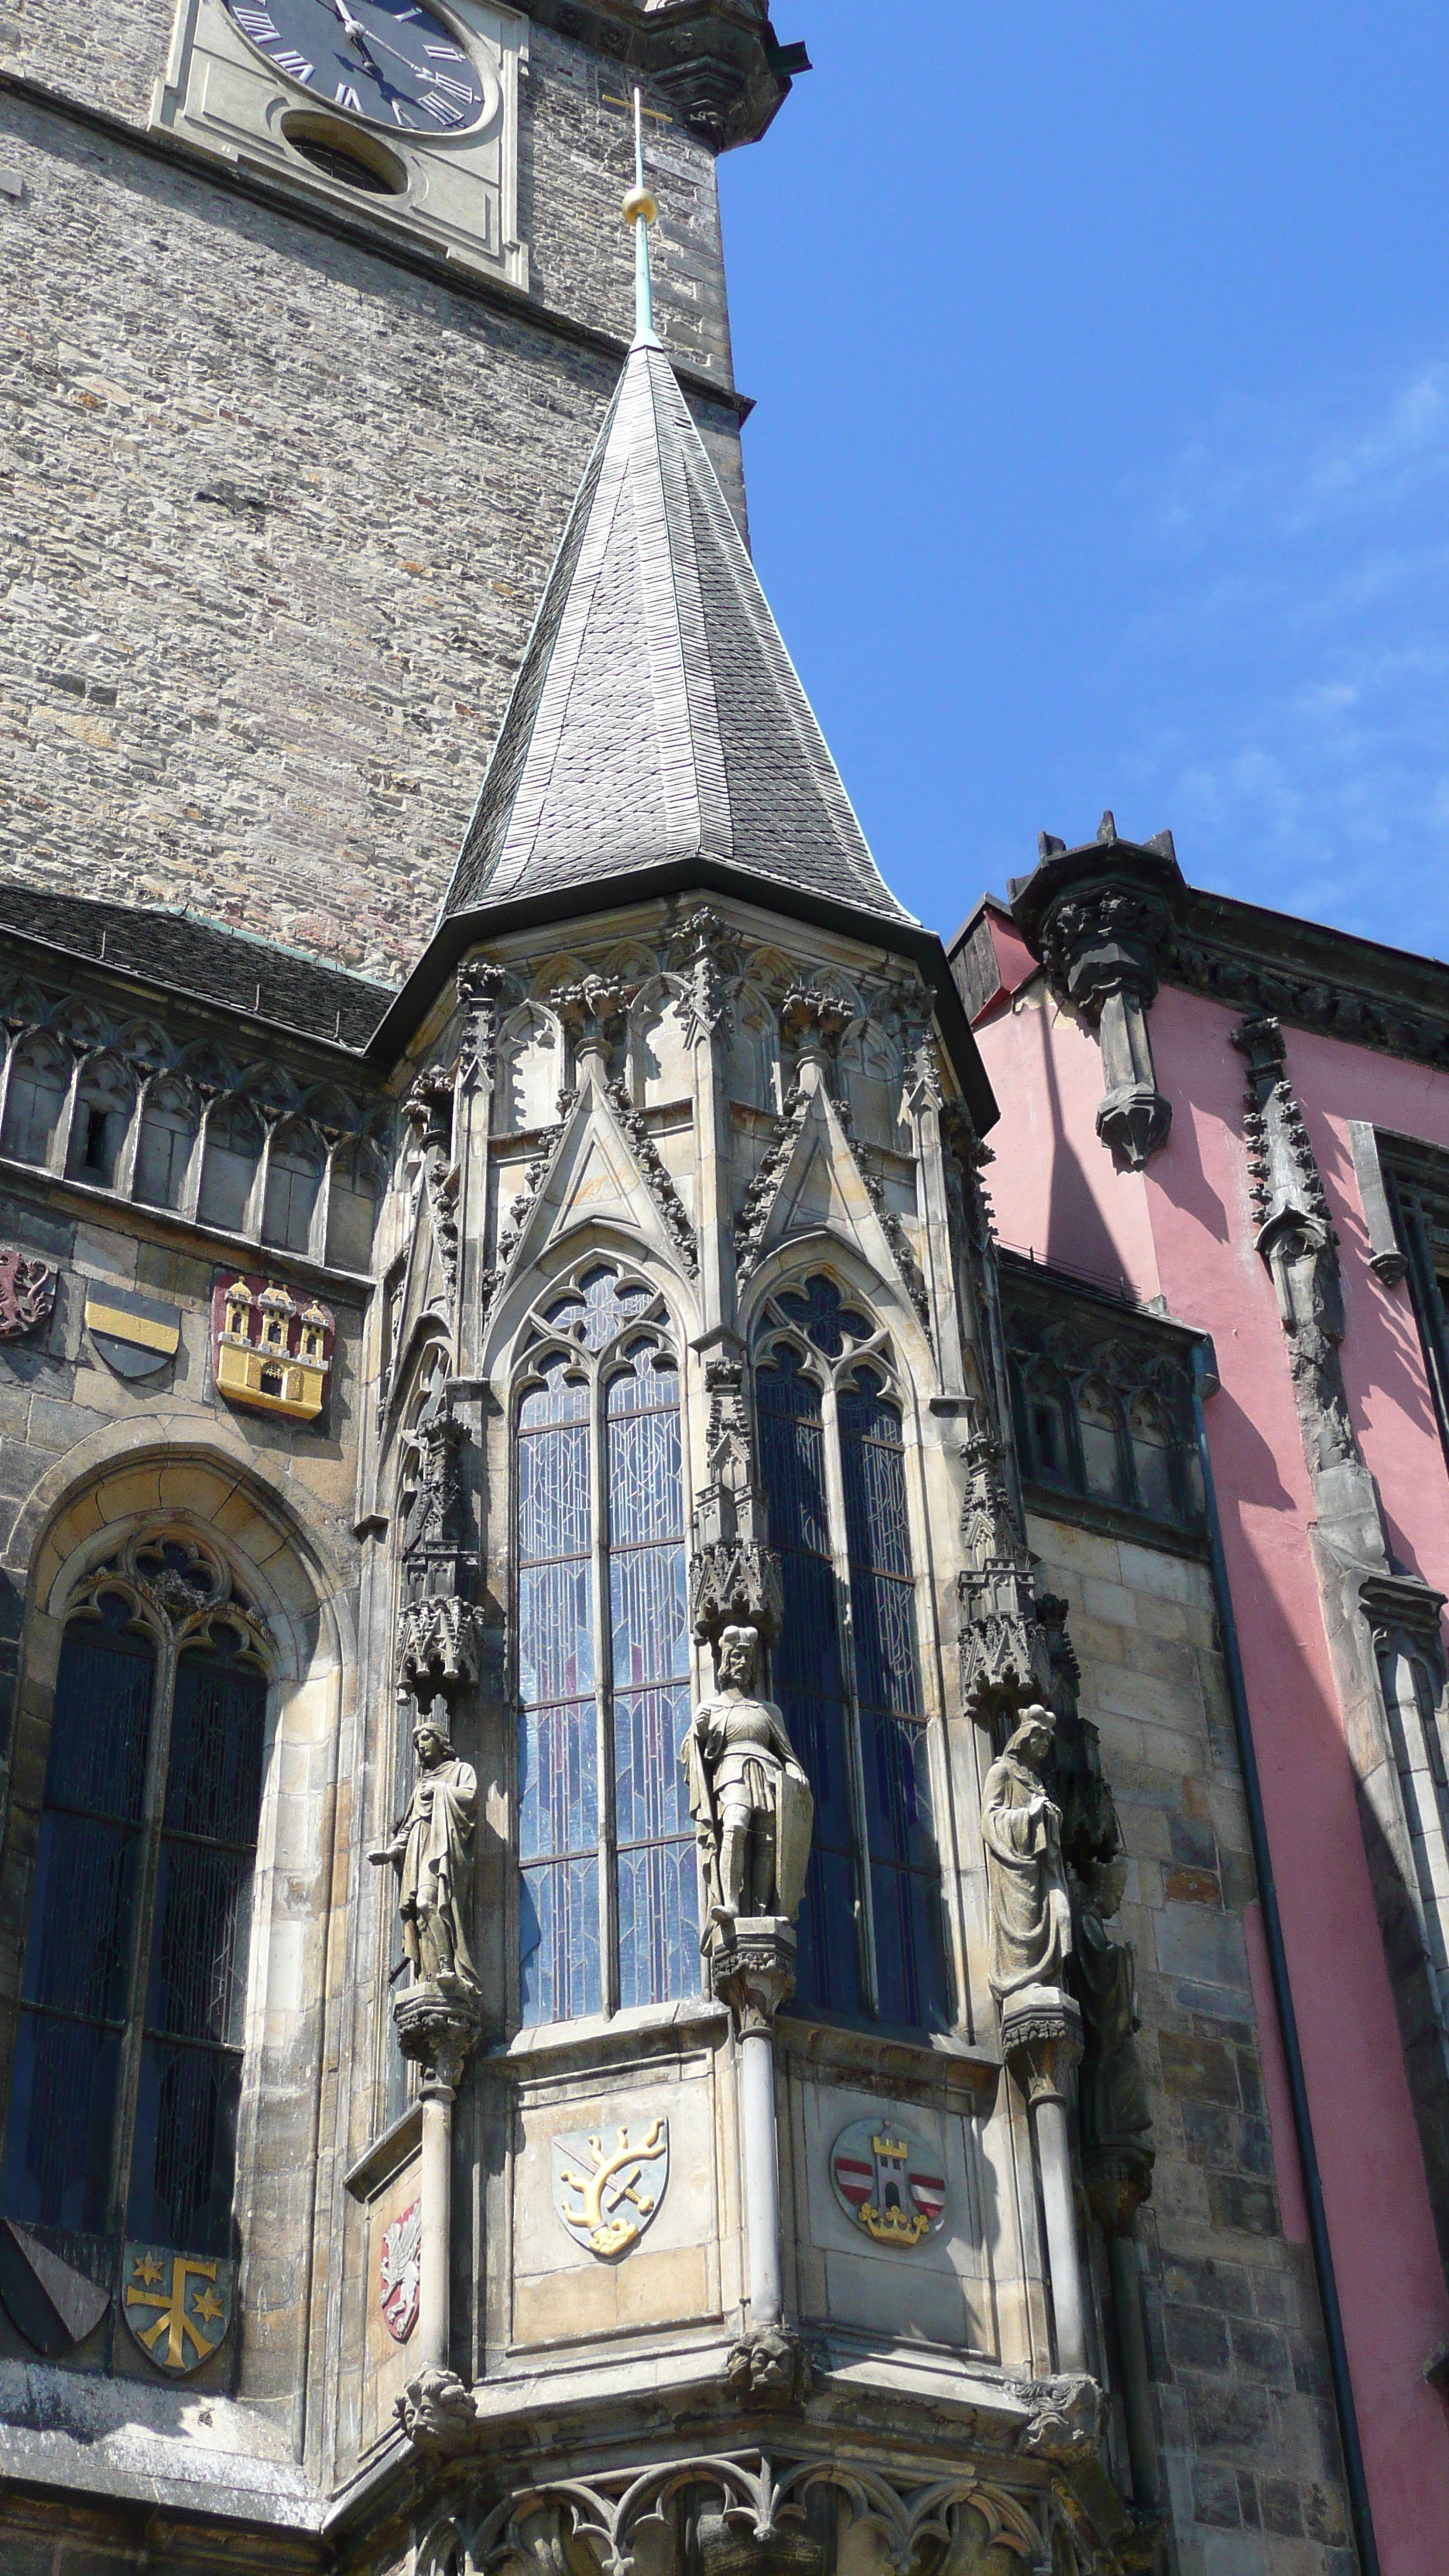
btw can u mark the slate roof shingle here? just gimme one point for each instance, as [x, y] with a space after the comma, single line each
[657, 715]
[201, 958]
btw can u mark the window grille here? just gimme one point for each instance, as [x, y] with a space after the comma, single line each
[609, 1913]
[847, 1669]
[127, 2071]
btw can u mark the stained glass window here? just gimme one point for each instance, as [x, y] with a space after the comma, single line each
[609, 1913]
[847, 1670]
[127, 2073]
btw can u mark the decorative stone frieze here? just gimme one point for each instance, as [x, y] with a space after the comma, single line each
[656, 1177]
[1100, 919]
[762, 2521]
[482, 985]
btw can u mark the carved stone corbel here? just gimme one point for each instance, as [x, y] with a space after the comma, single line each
[1100, 919]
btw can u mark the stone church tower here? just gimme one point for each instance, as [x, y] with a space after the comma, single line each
[559, 1995]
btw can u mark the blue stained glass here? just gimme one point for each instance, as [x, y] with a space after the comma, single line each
[602, 1308]
[559, 1942]
[808, 1682]
[905, 1886]
[558, 1750]
[657, 1877]
[558, 1789]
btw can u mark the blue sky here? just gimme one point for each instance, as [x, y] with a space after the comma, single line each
[1102, 450]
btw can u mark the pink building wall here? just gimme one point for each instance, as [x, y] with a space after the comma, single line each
[1184, 1230]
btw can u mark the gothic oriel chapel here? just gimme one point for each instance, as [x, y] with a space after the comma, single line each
[636, 1931]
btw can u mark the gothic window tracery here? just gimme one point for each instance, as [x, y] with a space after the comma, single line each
[163, 1150]
[1104, 1415]
[104, 1100]
[127, 2070]
[609, 1903]
[35, 1098]
[847, 1670]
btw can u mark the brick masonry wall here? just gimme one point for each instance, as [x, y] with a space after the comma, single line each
[276, 512]
[1240, 2377]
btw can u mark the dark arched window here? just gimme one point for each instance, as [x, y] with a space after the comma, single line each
[847, 1669]
[127, 2073]
[609, 1910]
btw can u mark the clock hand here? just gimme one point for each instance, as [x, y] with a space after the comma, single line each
[420, 71]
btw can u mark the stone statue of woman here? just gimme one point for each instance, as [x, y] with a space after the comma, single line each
[432, 1852]
[1031, 1918]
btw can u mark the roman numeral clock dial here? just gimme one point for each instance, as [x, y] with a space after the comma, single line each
[390, 62]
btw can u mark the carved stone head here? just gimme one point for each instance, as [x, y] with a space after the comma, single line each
[430, 1743]
[736, 1656]
[1031, 1741]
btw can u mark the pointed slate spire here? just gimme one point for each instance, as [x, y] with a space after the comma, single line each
[657, 717]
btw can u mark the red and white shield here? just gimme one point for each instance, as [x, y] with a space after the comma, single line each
[400, 2272]
[887, 2181]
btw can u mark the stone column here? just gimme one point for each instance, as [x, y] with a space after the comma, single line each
[438, 2030]
[1116, 2187]
[752, 1969]
[1041, 2038]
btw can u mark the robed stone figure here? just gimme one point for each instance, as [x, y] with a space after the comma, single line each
[432, 1852]
[1116, 2113]
[1031, 1918]
[749, 1798]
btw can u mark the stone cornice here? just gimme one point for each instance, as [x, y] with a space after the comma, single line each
[1249, 959]
[718, 62]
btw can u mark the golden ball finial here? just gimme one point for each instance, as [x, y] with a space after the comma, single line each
[640, 206]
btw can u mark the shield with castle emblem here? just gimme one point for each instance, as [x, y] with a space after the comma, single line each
[887, 2181]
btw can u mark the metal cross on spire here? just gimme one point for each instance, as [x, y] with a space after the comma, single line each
[641, 209]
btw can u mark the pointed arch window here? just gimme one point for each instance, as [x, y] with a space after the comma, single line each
[847, 1669]
[127, 2070]
[609, 1898]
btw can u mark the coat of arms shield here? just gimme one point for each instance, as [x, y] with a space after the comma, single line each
[887, 2181]
[606, 2195]
[178, 2306]
[400, 2272]
[27, 1293]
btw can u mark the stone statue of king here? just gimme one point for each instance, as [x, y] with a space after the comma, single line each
[748, 1795]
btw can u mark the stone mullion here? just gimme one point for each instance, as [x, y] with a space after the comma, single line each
[143, 1907]
[65, 1123]
[603, 1696]
[125, 1180]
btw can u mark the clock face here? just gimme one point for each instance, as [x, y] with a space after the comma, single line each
[388, 61]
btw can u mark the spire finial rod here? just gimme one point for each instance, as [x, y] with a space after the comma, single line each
[641, 210]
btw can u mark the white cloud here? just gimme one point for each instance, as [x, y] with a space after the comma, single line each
[1293, 657]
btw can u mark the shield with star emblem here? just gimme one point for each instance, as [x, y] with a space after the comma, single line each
[178, 2306]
